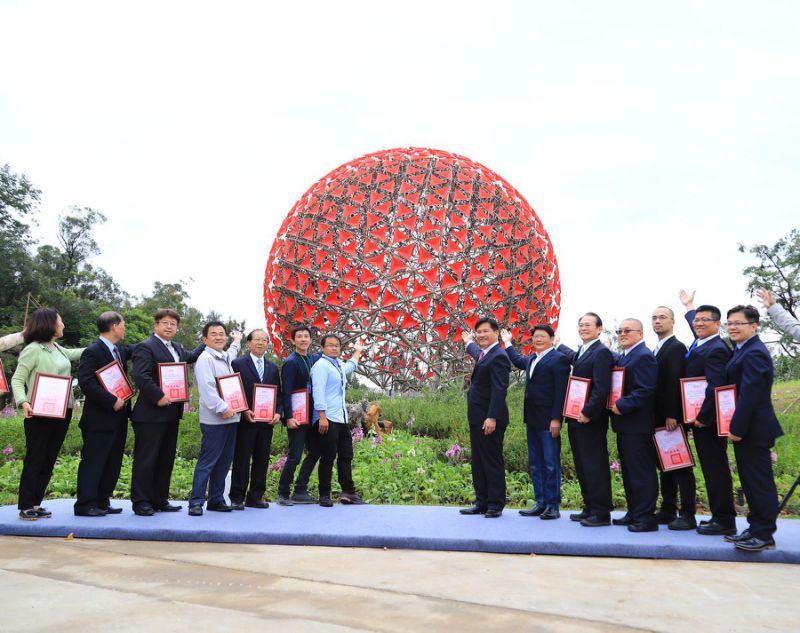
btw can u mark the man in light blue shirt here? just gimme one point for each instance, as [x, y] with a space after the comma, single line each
[330, 439]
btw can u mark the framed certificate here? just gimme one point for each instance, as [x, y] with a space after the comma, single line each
[300, 406]
[231, 390]
[577, 393]
[3, 381]
[50, 396]
[174, 381]
[114, 380]
[617, 386]
[726, 404]
[693, 394]
[264, 397]
[673, 449]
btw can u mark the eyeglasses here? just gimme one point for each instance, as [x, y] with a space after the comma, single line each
[168, 323]
[626, 331]
[738, 323]
[702, 320]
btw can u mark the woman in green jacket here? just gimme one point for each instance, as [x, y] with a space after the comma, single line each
[43, 436]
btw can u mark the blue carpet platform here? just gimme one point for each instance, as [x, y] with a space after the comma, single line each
[398, 527]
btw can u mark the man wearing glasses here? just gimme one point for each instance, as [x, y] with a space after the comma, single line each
[633, 421]
[155, 417]
[754, 428]
[707, 357]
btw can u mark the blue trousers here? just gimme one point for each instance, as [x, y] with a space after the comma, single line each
[544, 457]
[216, 456]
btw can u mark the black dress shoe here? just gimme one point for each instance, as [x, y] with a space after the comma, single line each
[643, 527]
[195, 511]
[237, 505]
[144, 510]
[91, 512]
[712, 528]
[535, 511]
[733, 538]
[665, 518]
[110, 510]
[43, 513]
[220, 506]
[580, 516]
[325, 501]
[259, 504]
[474, 509]
[492, 514]
[168, 507]
[755, 544]
[596, 521]
[550, 513]
[683, 523]
[626, 520]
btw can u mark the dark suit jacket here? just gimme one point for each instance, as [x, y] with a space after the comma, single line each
[595, 364]
[146, 357]
[98, 409]
[247, 369]
[546, 390]
[488, 386]
[709, 360]
[636, 403]
[751, 370]
[671, 368]
[295, 375]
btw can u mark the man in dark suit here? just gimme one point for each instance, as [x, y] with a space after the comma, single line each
[588, 434]
[707, 357]
[104, 421]
[155, 417]
[633, 421]
[487, 414]
[254, 439]
[546, 376]
[754, 428]
[670, 355]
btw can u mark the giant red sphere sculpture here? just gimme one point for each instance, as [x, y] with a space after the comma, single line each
[406, 247]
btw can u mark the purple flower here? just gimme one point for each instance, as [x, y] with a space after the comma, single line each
[396, 456]
[279, 463]
[376, 441]
[454, 452]
[8, 412]
[8, 450]
[384, 460]
[357, 434]
[614, 466]
[773, 456]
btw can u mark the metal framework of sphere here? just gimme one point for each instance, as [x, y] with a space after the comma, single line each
[407, 247]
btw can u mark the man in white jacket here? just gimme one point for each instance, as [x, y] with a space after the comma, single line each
[780, 315]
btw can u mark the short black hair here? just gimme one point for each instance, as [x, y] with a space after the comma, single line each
[301, 328]
[107, 320]
[544, 327]
[750, 312]
[487, 319]
[250, 336]
[326, 337]
[41, 326]
[598, 320]
[715, 312]
[167, 312]
[211, 324]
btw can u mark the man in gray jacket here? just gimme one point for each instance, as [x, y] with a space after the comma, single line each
[780, 315]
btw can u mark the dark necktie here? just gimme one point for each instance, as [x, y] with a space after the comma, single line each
[116, 354]
[481, 355]
[691, 349]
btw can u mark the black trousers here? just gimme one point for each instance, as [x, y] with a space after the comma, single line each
[336, 444]
[712, 451]
[298, 440]
[488, 466]
[590, 452]
[674, 482]
[153, 458]
[101, 462]
[755, 474]
[250, 461]
[44, 438]
[637, 457]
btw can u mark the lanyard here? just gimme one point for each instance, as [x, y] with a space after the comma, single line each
[335, 363]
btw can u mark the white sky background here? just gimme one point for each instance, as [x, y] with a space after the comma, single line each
[649, 138]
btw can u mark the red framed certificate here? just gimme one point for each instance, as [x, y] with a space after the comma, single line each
[231, 390]
[617, 386]
[577, 393]
[725, 398]
[50, 397]
[673, 449]
[264, 401]
[114, 380]
[300, 407]
[174, 381]
[693, 394]
[3, 381]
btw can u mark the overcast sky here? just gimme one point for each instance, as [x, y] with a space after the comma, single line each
[649, 138]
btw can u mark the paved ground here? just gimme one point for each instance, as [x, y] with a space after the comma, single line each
[95, 585]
